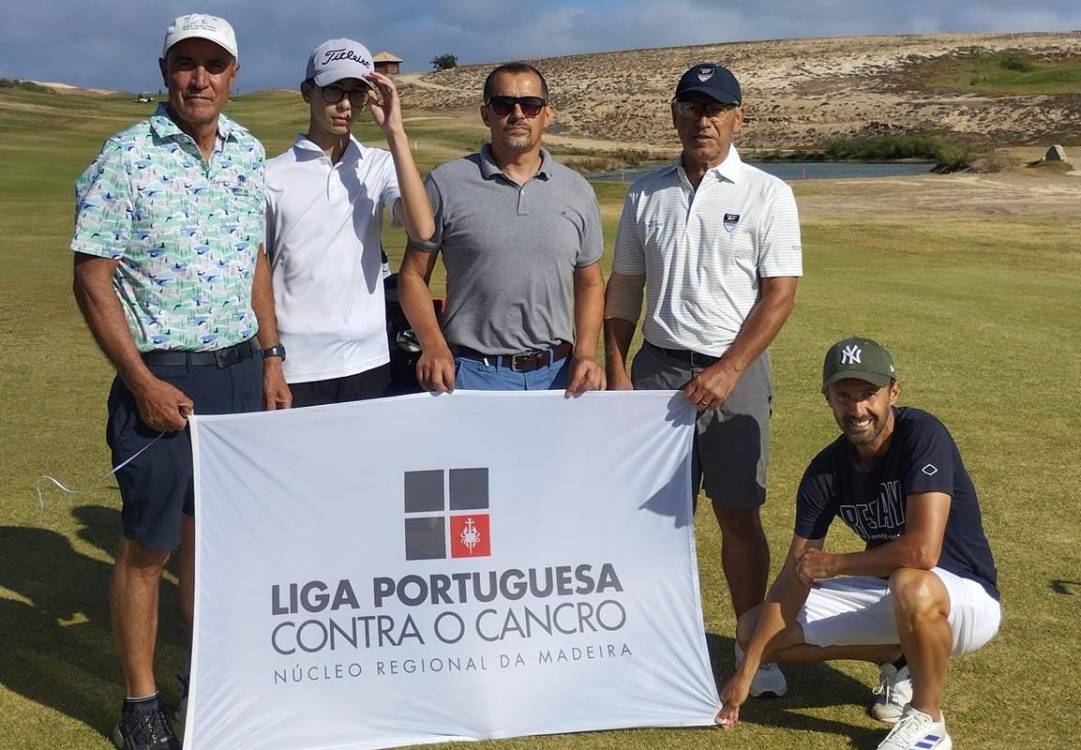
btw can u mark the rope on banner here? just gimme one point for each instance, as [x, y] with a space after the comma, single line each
[72, 491]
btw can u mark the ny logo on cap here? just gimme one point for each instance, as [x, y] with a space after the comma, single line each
[704, 74]
[428, 524]
[851, 355]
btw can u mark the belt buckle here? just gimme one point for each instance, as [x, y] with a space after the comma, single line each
[521, 362]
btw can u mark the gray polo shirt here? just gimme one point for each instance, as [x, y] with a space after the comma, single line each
[510, 251]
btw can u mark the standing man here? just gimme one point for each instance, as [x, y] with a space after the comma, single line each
[924, 587]
[716, 243]
[521, 241]
[324, 210]
[171, 280]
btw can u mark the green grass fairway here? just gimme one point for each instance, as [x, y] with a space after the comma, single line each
[974, 283]
[1006, 74]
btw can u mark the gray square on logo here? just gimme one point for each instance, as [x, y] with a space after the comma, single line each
[468, 489]
[424, 491]
[425, 538]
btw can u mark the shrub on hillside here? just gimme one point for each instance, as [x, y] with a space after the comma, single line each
[948, 157]
[11, 83]
[444, 62]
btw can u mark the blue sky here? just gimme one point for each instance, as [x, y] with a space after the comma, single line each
[115, 43]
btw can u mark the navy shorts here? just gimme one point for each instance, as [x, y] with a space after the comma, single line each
[372, 383]
[731, 443]
[157, 486]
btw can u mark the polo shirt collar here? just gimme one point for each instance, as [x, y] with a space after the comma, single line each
[730, 169]
[489, 169]
[354, 151]
[165, 127]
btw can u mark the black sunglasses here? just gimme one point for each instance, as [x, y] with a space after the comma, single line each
[502, 106]
[334, 93]
[696, 110]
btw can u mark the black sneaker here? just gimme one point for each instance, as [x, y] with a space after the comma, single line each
[145, 726]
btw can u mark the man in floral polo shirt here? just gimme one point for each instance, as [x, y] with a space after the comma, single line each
[172, 281]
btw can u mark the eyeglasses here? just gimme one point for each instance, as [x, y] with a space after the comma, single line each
[502, 106]
[698, 110]
[333, 94]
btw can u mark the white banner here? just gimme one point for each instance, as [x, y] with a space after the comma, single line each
[432, 568]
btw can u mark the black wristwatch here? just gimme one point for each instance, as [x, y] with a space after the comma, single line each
[274, 351]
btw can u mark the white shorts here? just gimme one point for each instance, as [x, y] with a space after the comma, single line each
[858, 611]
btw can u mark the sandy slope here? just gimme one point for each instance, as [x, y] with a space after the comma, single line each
[798, 92]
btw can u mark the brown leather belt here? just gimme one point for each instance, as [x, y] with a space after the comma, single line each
[525, 362]
[686, 356]
[220, 358]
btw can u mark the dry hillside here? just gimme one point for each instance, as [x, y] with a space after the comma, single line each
[798, 92]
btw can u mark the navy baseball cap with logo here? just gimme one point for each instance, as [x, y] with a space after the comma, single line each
[858, 358]
[713, 80]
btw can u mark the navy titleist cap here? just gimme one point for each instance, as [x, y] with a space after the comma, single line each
[713, 80]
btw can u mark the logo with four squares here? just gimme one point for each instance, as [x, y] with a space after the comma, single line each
[446, 514]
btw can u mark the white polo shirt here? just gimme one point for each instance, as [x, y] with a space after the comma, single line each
[323, 225]
[703, 251]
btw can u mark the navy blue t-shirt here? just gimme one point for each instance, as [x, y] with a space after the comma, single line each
[921, 457]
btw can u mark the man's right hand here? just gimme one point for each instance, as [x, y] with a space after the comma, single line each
[435, 370]
[162, 407]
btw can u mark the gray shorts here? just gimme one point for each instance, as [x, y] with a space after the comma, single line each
[731, 446]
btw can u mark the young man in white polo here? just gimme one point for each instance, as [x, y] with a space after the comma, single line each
[925, 586]
[324, 206]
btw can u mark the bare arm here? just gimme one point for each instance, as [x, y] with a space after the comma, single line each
[772, 629]
[412, 210]
[622, 307]
[776, 299]
[161, 406]
[586, 372]
[435, 368]
[918, 547]
[276, 393]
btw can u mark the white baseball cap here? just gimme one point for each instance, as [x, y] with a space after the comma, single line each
[201, 26]
[336, 59]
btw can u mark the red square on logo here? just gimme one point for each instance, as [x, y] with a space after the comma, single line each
[469, 536]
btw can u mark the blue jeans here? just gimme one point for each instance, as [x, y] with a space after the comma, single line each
[475, 375]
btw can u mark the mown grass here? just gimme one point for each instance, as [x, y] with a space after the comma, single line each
[979, 308]
[1007, 73]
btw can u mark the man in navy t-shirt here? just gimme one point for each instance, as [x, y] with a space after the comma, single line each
[924, 586]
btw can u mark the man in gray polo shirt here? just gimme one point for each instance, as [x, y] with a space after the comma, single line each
[521, 242]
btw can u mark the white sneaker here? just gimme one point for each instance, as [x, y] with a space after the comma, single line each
[893, 693]
[768, 681]
[916, 730]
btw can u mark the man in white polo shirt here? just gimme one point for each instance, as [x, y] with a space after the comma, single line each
[325, 198]
[716, 244]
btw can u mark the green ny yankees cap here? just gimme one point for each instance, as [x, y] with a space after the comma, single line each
[859, 358]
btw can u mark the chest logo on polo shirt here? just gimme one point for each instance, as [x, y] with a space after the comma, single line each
[730, 221]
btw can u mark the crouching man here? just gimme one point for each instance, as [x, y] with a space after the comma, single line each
[924, 587]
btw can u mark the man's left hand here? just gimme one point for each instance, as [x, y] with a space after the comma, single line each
[709, 388]
[586, 374]
[814, 564]
[276, 393]
[385, 104]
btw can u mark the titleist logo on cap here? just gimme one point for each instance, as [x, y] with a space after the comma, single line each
[343, 54]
